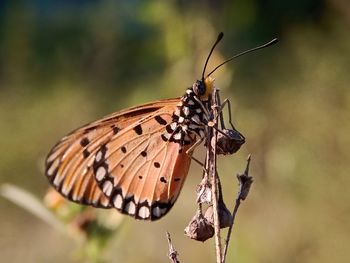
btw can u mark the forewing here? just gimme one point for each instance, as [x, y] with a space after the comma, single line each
[141, 172]
[69, 163]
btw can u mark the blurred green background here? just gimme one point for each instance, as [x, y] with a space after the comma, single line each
[65, 63]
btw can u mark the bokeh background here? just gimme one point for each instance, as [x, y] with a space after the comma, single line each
[65, 63]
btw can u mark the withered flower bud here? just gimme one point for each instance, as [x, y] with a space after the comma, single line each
[199, 228]
[225, 217]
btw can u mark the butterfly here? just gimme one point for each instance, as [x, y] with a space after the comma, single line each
[135, 160]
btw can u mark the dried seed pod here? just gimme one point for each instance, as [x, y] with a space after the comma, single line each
[229, 141]
[225, 217]
[199, 228]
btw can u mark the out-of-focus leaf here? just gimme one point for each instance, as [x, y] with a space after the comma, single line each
[30, 203]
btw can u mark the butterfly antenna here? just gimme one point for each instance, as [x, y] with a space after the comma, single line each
[220, 36]
[272, 42]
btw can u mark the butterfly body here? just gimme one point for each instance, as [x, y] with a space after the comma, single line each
[134, 160]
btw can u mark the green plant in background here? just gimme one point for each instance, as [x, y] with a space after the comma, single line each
[84, 225]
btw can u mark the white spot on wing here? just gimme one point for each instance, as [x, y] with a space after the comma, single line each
[167, 135]
[173, 125]
[177, 136]
[186, 110]
[144, 212]
[130, 208]
[118, 201]
[107, 187]
[156, 211]
[98, 156]
[100, 173]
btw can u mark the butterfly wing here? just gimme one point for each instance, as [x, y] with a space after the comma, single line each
[69, 163]
[141, 172]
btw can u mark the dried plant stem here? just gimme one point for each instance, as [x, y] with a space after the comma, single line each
[211, 148]
[172, 252]
[228, 237]
[245, 182]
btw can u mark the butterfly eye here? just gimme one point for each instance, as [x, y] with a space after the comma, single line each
[199, 88]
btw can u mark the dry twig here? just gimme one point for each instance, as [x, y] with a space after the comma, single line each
[172, 252]
[211, 148]
[245, 182]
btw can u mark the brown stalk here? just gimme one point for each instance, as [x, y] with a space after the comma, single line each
[172, 252]
[245, 182]
[212, 170]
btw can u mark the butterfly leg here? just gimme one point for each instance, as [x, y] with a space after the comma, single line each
[191, 150]
[228, 103]
[212, 122]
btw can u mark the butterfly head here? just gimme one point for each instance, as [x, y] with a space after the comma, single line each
[203, 88]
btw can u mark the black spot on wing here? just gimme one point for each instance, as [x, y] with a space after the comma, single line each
[163, 180]
[160, 120]
[156, 164]
[169, 129]
[84, 142]
[138, 129]
[143, 153]
[86, 153]
[123, 149]
[115, 129]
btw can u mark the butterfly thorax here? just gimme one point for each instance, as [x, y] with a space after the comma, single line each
[188, 120]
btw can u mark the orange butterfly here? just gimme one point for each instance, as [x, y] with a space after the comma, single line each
[135, 160]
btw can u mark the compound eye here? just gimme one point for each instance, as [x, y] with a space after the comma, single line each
[199, 88]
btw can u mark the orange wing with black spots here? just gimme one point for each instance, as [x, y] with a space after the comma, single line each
[134, 160]
[140, 171]
[69, 163]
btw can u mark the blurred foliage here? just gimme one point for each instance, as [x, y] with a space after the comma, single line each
[64, 63]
